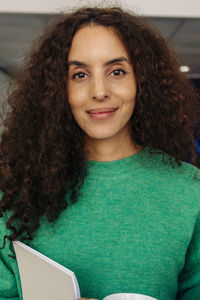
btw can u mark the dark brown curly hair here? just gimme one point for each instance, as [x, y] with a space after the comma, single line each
[42, 147]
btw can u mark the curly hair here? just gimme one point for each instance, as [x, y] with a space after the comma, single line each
[42, 147]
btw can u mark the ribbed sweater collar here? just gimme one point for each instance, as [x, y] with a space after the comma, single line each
[124, 165]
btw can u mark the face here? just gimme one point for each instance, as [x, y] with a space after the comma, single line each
[101, 83]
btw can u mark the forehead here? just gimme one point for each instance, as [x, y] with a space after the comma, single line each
[96, 42]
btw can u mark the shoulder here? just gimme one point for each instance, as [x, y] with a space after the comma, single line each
[180, 181]
[163, 163]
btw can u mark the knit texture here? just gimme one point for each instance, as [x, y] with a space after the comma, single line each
[134, 229]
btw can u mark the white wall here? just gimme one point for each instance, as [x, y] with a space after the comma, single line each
[171, 8]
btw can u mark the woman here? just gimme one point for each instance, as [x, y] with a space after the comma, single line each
[101, 121]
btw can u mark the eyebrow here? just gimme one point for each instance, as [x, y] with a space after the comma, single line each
[110, 62]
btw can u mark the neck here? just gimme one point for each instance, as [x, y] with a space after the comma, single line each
[110, 149]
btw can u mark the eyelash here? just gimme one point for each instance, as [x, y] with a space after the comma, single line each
[78, 73]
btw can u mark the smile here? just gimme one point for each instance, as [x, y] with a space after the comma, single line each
[102, 114]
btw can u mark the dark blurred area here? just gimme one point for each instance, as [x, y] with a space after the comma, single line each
[196, 83]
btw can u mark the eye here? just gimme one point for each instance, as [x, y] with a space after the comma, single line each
[79, 75]
[118, 72]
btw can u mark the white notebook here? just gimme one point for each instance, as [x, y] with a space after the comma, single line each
[42, 278]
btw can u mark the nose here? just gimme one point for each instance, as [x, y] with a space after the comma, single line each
[99, 88]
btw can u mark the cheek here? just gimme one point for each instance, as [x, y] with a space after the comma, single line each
[131, 95]
[126, 90]
[76, 100]
[78, 110]
[128, 105]
[126, 96]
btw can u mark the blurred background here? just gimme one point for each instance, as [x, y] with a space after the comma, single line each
[23, 20]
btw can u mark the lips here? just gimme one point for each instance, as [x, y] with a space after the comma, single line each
[102, 114]
[102, 110]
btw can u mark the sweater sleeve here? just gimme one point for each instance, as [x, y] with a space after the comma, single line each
[8, 285]
[189, 279]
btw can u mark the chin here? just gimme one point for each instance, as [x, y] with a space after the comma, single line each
[101, 136]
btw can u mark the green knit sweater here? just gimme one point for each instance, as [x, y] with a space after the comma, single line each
[135, 229]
